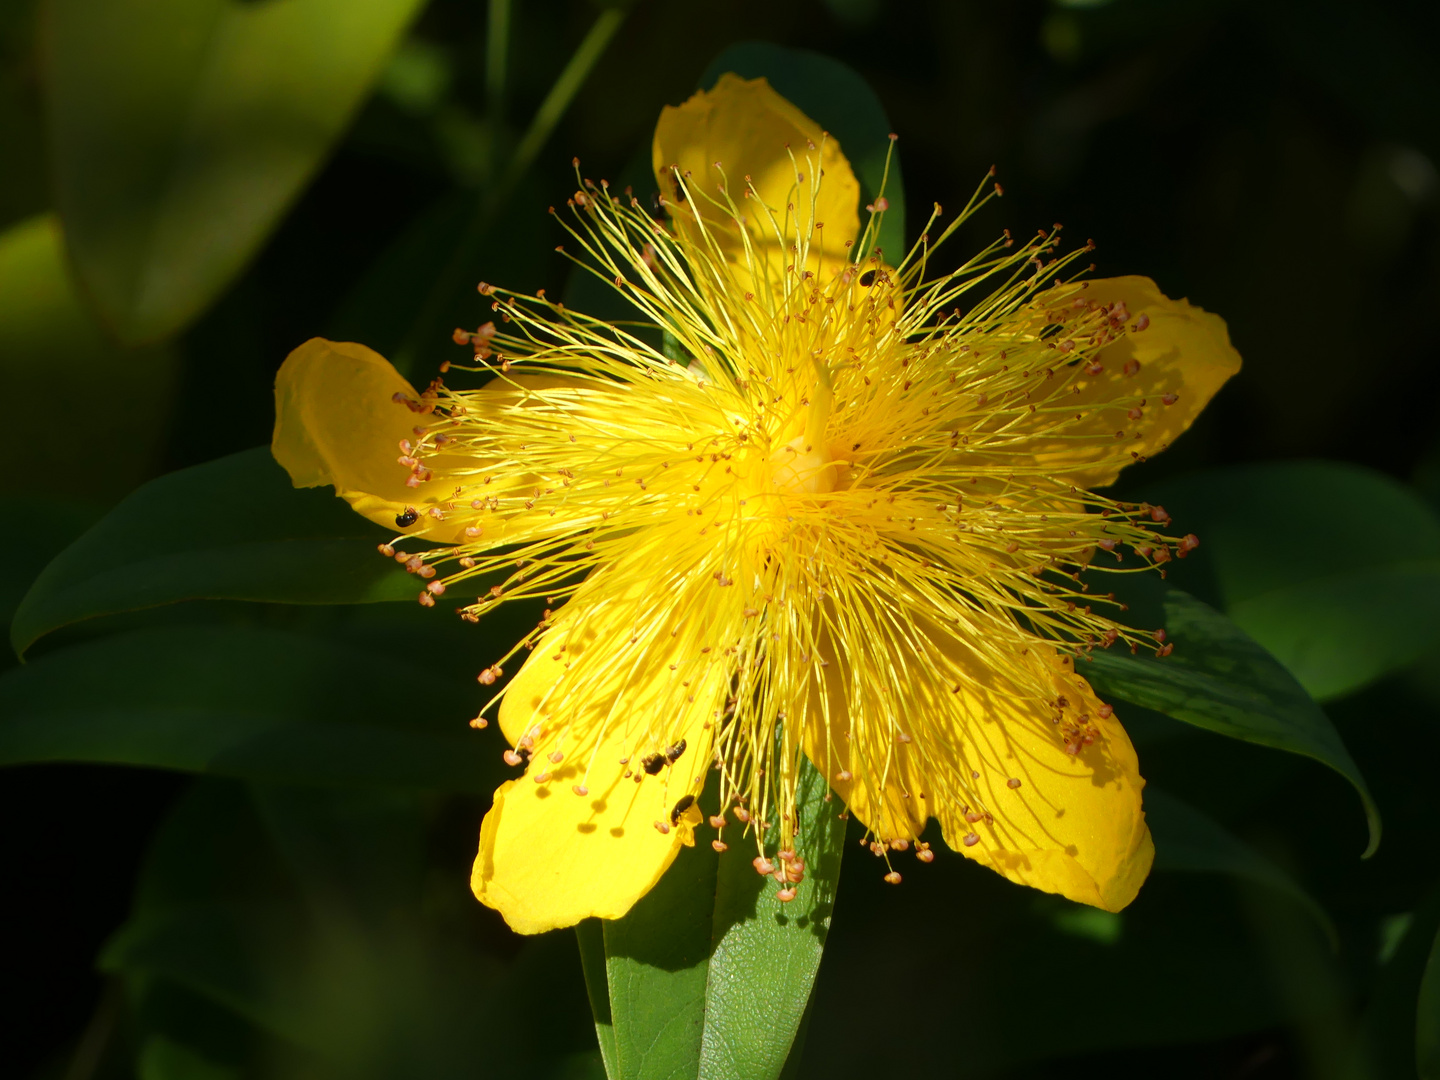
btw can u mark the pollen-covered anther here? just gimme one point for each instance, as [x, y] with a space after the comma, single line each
[923, 852]
[489, 675]
[580, 789]
[763, 866]
[893, 877]
[717, 821]
[436, 587]
[386, 550]
[719, 845]
[426, 600]
[970, 839]
[786, 894]
[899, 844]
[479, 722]
[557, 756]
[1188, 543]
[844, 776]
[1013, 783]
[512, 758]
[742, 815]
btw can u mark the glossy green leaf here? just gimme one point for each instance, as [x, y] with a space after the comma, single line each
[181, 130]
[709, 975]
[841, 102]
[1333, 568]
[1219, 679]
[49, 339]
[1189, 841]
[247, 702]
[232, 529]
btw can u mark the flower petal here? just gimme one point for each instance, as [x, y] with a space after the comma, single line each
[1184, 355]
[337, 422]
[1069, 823]
[599, 689]
[751, 131]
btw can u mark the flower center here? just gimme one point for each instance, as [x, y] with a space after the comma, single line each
[798, 468]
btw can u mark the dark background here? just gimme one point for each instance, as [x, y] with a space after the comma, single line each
[1272, 161]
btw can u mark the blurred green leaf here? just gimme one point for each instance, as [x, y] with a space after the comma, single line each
[709, 975]
[1389, 1043]
[1219, 679]
[232, 529]
[1190, 841]
[1427, 1017]
[181, 130]
[164, 1059]
[49, 341]
[840, 101]
[313, 917]
[1333, 568]
[246, 702]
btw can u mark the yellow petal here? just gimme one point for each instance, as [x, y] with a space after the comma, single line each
[337, 423]
[598, 688]
[1062, 822]
[752, 132]
[1185, 352]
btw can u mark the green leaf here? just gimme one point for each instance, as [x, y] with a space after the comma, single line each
[1427, 1017]
[1333, 568]
[247, 702]
[840, 101]
[232, 529]
[313, 916]
[1396, 1031]
[1219, 679]
[709, 975]
[1189, 841]
[49, 339]
[181, 130]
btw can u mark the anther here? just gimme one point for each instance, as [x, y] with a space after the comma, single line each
[971, 839]
[512, 758]
[786, 894]
[580, 789]
[386, 550]
[719, 845]
[557, 757]
[662, 827]
[479, 722]
[436, 587]
[893, 877]
[717, 821]
[763, 866]
[426, 600]
[1013, 783]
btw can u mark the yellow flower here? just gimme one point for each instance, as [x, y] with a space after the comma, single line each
[851, 527]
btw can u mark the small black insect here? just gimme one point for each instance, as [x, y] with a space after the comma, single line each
[407, 517]
[672, 753]
[679, 188]
[653, 763]
[680, 807]
[867, 278]
[657, 206]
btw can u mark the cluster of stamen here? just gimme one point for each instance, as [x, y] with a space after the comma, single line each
[818, 434]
